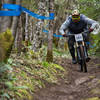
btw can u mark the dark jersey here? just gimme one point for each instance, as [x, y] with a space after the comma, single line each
[77, 27]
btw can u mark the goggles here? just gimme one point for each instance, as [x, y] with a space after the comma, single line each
[76, 17]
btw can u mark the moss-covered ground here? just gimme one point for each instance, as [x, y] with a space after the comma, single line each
[23, 75]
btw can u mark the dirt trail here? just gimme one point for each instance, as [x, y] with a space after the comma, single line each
[76, 85]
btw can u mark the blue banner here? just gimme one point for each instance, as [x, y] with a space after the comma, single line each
[10, 13]
[15, 10]
[12, 7]
[59, 36]
[88, 43]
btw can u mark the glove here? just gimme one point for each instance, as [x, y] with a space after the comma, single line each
[91, 30]
[64, 35]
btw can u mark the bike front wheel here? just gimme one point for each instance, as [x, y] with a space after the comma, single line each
[83, 60]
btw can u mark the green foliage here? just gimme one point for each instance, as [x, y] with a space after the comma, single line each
[4, 96]
[6, 80]
[61, 53]
[95, 91]
[94, 98]
[58, 67]
[45, 64]
[52, 65]
[21, 87]
[9, 85]
[91, 8]
[6, 40]
[10, 61]
[95, 43]
[23, 94]
[4, 68]
[32, 73]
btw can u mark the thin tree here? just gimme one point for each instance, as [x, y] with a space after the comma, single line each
[5, 21]
[37, 39]
[50, 36]
[15, 20]
[19, 37]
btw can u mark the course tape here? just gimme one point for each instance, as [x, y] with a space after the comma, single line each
[59, 36]
[88, 43]
[16, 10]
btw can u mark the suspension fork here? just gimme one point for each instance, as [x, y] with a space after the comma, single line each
[78, 52]
[85, 50]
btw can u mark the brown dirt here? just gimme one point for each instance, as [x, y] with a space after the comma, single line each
[76, 85]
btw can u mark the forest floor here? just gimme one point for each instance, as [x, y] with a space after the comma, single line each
[75, 85]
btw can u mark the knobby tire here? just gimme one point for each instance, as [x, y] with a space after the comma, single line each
[83, 60]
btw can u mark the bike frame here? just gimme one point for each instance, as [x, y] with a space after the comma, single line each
[81, 51]
[81, 45]
[81, 55]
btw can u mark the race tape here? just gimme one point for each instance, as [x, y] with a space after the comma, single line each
[59, 36]
[46, 31]
[16, 10]
[10, 13]
[88, 43]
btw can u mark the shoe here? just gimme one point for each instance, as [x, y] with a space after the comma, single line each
[74, 61]
[88, 59]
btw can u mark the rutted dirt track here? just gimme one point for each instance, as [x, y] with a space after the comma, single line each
[76, 85]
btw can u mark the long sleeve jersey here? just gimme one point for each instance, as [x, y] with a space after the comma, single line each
[77, 27]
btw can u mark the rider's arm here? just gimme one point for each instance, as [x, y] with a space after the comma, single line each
[90, 21]
[64, 26]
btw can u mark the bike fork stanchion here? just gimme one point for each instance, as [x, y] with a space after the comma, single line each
[83, 52]
[79, 60]
[81, 66]
[85, 58]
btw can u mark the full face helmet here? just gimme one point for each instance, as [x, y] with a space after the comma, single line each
[75, 15]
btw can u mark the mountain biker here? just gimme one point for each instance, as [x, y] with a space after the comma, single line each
[76, 23]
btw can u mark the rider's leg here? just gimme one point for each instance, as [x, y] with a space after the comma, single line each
[72, 49]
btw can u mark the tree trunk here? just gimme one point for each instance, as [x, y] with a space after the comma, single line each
[6, 37]
[26, 30]
[50, 36]
[18, 41]
[37, 40]
[31, 29]
[15, 21]
[5, 21]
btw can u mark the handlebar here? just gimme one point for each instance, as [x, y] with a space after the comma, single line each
[75, 34]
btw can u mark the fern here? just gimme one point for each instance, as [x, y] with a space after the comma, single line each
[9, 85]
[45, 64]
[10, 61]
[58, 67]
[5, 95]
[5, 67]
[21, 87]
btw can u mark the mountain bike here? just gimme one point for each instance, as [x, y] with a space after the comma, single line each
[81, 50]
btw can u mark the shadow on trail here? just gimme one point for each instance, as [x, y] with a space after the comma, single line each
[76, 85]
